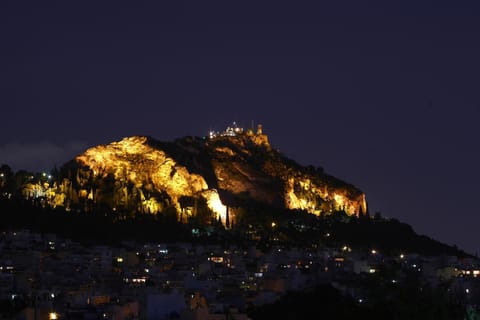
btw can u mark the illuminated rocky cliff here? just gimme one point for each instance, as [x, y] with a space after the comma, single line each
[211, 176]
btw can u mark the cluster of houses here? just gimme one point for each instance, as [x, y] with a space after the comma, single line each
[55, 278]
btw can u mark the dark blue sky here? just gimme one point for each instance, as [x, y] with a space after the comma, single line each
[383, 94]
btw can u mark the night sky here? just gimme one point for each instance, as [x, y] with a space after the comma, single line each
[382, 94]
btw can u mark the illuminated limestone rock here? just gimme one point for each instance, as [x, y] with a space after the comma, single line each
[241, 179]
[143, 175]
[304, 194]
[249, 167]
[33, 190]
[133, 161]
[214, 203]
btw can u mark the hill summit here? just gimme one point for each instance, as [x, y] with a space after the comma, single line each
[215, 176]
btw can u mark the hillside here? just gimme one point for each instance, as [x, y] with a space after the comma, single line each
[142, 188]
[210, 177]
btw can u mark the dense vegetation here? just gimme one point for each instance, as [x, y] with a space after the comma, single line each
[410, 301]
[292, 228]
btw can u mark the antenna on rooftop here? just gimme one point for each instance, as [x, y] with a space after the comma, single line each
[252, 125]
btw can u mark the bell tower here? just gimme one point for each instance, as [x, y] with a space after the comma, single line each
[259, 129]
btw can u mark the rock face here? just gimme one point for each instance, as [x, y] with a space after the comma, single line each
[192, 175]
[136, 166]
